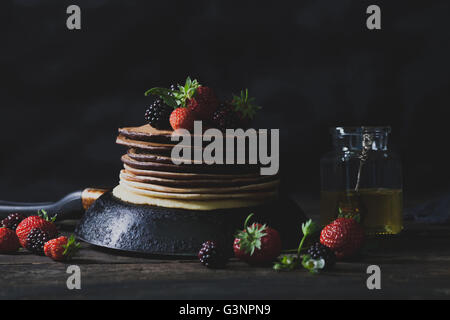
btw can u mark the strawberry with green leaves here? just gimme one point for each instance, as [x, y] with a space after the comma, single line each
[198, 98]
[245, 107]
[257, 244]
[41, 221]
[200, 102]
[62, 248]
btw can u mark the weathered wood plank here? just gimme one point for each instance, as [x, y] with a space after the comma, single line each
[415, 264]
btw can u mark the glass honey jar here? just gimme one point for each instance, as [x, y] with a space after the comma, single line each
[361, 177]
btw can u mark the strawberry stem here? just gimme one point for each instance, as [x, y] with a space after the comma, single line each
[71, 248]
[300, 246]
[247, 220]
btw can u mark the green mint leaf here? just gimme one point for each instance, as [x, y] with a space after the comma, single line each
[277, 266]
[170, 101]
[188, 83]
[313, 265]
[165, 95]
[308, 227]
[157, 91]
[286, 262]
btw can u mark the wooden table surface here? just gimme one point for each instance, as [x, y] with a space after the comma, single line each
[414, 264]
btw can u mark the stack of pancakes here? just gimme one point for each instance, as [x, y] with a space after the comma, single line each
[150, 176]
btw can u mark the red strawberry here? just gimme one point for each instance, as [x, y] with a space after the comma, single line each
[225, 117]
[61, 248]
[200, 100]
[41, 221]
[344, 236]
[257, 244]
[245, 108]
[8, 241]
[204, 102]
[182, 118]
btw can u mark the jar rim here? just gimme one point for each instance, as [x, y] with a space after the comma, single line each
[360, 130]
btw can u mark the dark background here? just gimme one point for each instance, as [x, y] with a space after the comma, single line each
[311, 65]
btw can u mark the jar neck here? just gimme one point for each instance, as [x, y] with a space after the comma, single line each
[352, 139]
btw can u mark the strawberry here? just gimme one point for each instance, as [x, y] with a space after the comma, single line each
[245, 108]
[199, 99]
[182, 118]
[61, 248]
[257, 244]
[225, 117]
[41, 221]
[8, 241]
[344, 236]
[204, 102]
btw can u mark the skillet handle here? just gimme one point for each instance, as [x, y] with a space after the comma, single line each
[69, 207]
[89, 195]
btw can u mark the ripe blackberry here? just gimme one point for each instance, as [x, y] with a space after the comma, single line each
[158, 114]
[225, 117]
[211, 256]
[12, 221]
[319, 251]
[36, 240]
[173, 88]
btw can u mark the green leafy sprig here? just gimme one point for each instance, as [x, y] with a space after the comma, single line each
[313, 265]
[164, 94]
[290, 261]
[176, 98]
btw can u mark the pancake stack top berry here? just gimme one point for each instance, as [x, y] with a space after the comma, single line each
[150, 175]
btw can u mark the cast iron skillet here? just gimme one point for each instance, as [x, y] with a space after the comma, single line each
[112, 223]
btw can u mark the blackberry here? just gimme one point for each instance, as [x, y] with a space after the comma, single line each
[36, 240]
[158, 114]
[225, 117]
[319, 251]
[173, 88]
[12, 221]
[211, 256]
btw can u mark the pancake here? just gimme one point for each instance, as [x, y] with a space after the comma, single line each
[165, 157]
[199, 196]
[129, 196]
[158, 148]
[188, 168]
[255, 187]
[139, 155]
[196, 183]
[185, 176]
[147, 133]
[151, 177]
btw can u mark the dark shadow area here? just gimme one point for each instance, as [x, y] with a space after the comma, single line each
[310, 64]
